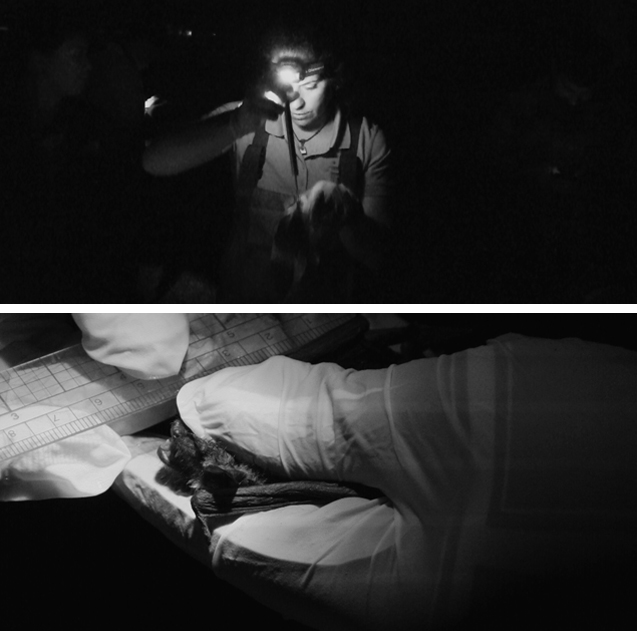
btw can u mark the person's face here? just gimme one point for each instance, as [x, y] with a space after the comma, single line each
[311, 107]
[67, 68]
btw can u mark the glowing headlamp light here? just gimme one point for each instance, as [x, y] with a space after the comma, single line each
[292, 71]
[288, 75]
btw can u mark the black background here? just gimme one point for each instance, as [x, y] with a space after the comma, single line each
[433, 74]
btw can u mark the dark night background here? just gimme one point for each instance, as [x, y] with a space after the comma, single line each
[503, 196]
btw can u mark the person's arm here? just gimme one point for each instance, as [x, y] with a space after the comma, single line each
[190, 147]
[281, 413]
[354, 563]
[207, 139]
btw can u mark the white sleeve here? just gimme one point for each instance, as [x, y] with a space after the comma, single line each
[354, 563]
[297, 419]
[449, 441]
[339, 566]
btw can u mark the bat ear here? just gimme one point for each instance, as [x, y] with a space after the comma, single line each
[164, 454]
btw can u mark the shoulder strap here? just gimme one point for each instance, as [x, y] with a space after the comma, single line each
[348, 170]
[251, 168]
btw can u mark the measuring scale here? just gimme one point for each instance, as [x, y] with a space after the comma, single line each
[67, 392]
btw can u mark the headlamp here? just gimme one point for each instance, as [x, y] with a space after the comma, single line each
[289, 71]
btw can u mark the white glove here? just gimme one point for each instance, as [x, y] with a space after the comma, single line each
[77, 466]
[143, 345]
[274, 413]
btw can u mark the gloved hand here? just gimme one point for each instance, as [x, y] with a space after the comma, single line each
[143, 345]
[275, 415]
[82, 465]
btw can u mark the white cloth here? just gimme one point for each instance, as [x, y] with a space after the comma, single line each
[354, 563]
[143, 345]
[146, 346]
[82, 465]
[430, 435]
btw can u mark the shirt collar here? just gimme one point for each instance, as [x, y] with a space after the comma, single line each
[323, 141]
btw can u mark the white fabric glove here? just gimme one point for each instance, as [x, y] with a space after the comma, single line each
[354, 563]
[82, 465]
[298, 420]
[448, 440]
[143, 345]
[253, 410]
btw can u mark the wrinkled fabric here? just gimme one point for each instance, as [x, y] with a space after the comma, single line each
[143, 345]
[82, 465]
[146, 346]
[355, 563]
[458, 444]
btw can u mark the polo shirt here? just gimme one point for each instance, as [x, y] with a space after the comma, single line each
[248, 270]
[322, 159]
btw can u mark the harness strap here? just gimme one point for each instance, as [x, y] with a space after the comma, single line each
[348, 166]
[251, 171]
[292, 252]
[254, 158]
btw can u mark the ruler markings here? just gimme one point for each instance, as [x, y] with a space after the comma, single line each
[81, 394]
[38, 441]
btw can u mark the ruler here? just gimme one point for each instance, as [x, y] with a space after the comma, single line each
[65, 393]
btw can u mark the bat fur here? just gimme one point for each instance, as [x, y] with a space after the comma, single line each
[220, 483]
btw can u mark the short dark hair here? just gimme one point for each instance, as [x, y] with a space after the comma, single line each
[312, 41]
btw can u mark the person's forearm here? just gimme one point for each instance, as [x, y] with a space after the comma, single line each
[191, 147]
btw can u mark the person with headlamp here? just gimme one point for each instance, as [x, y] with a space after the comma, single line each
[311, 182]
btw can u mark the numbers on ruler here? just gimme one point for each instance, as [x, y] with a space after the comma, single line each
[106, 400]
